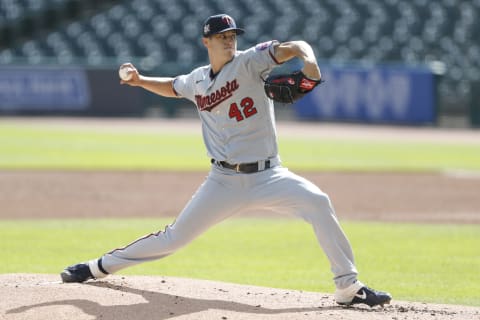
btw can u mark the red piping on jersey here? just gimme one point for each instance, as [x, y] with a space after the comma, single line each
[173, 87]
[273, 57]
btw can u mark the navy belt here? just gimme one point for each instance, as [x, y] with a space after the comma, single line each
[243, 167]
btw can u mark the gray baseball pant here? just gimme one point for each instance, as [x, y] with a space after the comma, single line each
[225, 193]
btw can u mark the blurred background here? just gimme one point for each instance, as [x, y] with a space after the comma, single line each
[408, 62]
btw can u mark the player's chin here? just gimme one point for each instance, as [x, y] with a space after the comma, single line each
[230, 51]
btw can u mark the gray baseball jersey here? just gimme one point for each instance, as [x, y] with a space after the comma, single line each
[239, 127]
[237, 117]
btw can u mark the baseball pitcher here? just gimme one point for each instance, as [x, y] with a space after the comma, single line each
[234, 99]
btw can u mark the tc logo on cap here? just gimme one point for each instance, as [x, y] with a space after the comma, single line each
[228, 20]
[220, 23]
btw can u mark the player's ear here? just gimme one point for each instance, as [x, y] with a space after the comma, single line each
[205, 41]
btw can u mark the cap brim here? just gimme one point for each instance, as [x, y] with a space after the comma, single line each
[237, 31]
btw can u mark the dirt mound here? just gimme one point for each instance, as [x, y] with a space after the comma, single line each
[30, 296]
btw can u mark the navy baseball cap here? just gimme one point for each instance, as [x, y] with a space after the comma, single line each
[220, 23]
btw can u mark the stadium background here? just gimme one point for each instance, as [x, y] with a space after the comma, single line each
[93, 38]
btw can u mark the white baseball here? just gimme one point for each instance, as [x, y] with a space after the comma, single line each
[125, 73]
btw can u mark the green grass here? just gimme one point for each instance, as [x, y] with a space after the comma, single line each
[430, 263]
[363, 155]
[43, 147]
[24, 147]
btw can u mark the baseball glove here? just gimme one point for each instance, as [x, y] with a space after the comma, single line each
[288, 88]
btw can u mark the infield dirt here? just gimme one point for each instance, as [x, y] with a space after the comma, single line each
[29, 296]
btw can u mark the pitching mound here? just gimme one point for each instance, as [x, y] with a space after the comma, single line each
[30, 296]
